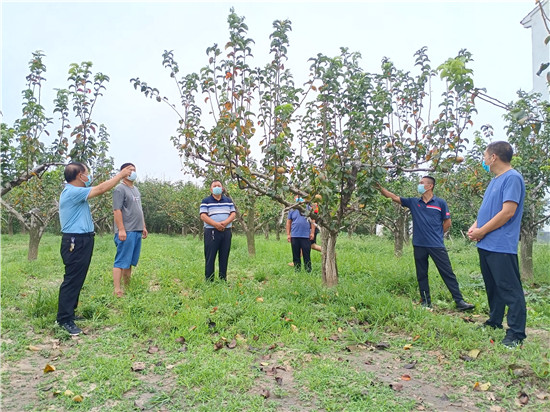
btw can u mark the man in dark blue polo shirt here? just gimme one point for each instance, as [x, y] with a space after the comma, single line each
[431, 218]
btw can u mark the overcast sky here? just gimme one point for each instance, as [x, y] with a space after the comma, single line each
[127, 39]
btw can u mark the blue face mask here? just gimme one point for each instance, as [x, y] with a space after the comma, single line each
[89, 181]
[421, 189]
[132, 177]
[485, 166]
[299, 200]
[217, 190]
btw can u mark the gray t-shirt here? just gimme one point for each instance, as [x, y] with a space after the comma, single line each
[128, 200]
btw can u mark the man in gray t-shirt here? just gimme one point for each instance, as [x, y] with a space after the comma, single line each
[129, 229]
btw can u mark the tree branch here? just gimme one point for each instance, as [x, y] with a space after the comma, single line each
[27, 176]
[15, 213]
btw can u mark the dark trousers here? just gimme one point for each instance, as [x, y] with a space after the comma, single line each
[216, 242]
[76, 252]
[503, 286]
[441, 259]
[304, 245]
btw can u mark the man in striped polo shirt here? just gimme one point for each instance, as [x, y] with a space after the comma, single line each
[217, 212]
[431, 218]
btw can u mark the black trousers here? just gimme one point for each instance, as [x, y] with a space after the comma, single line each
[441, 259]
[216, 242]
[301, 244]
[503, 286]
[76, 252]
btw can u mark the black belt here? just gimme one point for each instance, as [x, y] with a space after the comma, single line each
[89, 234]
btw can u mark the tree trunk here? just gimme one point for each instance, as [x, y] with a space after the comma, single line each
[399, 235]
[10, 224]
[330, 269]
[526, 254]
[266, 230]
[35, 234]
[250, 229]
[351, 229]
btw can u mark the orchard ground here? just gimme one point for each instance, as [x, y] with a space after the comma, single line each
[269, 339]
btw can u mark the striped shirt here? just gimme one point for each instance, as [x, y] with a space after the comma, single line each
[217, 210]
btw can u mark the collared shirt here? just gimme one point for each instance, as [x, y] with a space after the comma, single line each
[508, 187]
[427, 220]
[74, 210]
[217, 210]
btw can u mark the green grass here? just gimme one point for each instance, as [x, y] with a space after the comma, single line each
[278, 319]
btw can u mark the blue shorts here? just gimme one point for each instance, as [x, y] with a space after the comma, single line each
[127, 252]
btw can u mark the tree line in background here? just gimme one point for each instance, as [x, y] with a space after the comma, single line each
[268, 140]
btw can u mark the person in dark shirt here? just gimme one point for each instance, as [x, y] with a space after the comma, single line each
[431, 218]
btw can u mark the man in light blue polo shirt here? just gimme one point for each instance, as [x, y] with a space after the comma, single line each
[431, 219]
[496, 232]
[77, 243]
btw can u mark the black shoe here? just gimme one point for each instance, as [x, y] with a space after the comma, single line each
[488, 324]
[511, 342]
[462, 306]
[71, 328]
[426, 305]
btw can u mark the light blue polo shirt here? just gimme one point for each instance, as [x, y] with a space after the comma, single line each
[508, 187]
[74, 210]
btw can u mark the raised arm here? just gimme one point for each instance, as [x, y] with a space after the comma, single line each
[109, 184]
[388, 194]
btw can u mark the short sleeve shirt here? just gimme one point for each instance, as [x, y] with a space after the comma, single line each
[300, 226]
[128, 200]
[427, 220]
[508, 187]
[217, 210]
[74, 210]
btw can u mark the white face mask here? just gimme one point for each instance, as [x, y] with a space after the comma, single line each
[132, 177]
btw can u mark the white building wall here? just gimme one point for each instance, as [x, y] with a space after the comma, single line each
[541, 51]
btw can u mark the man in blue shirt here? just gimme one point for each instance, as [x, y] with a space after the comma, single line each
[431, 218]
[77, 243]
[496, 232]
[300, 232]
[217, 212]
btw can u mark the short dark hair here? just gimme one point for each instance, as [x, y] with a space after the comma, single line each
[126, 165]
[503, 150]
[73, 169]
[430, 178]
[214, 181]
